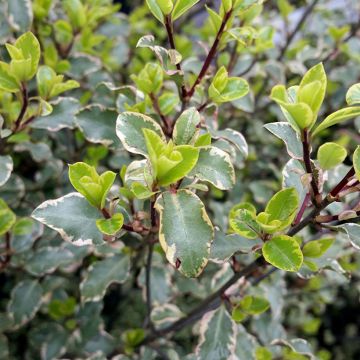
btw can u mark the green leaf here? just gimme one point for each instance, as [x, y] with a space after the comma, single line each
[217, 336]
[87, 182]
[185, 232]
[356, 162]
[185, 127]
[30, 49]
[282, 206]
[317, 248]
[289, 136]
[353, 233]
[312, 88]
[26, 299]
[8, 82]
[103, 273]
[129, 129]
[62, 116]
[224, 88]
[203, 140]
[243, 222]
[353, 95]
[141, 191]
[7, 218]
[300, 113]
[249, 305]
[331, 154]
[181, 7]
[167, 102]
[224, 246]
[75, 10]
[21, 15]
[72, 217]
[283, 252]
[98, 125]
[110, 226]
[214, 165]
[47, 259]
[150, 78]
[6, 168]
[235, 138]
[337, 117]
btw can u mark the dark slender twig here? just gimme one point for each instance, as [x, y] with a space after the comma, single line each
[25, 103]
[211, 54]
[302, 209]
[309, 169]
[167, 126]
[335, 191]
[7, 257]
[170, 33]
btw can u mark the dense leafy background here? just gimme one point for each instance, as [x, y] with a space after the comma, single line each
[58, 300]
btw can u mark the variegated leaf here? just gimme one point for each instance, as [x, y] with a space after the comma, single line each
[129, 129]
[185, 232]
[236, 138]
[72, 217]
[25, 301]
[353, 233]
[98, 125]
[214, 165]
[186, 126]
[217, 336]
[103, 273]
[6, 167]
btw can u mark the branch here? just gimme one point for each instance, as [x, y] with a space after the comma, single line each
[7, 258]
[307, 161]
[170, 34]
[210, 55]
[335, 191]
[25, 103]
[165, 120]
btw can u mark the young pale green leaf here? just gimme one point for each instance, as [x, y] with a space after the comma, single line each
[331, 154]
[129, 129]
[72, 217]
[103, 273]
[337, 117]
[181, 7]
[29, 46]
[217, 336]
[356, 162]
[6, 168]
[283, 252]
[300, 113]
[353, 233]
[7, 218]
[289, 136]
[98, 125]
[8, 82]
[243, 222]
[87, 182]
[214, 166]
[141, 191]
[185, 127]
[203, 140]
[282, 206]
[353, 95]
[26, 299]
[150, 78]
[167, 102]
[249, 305]
[186, 232]
[312, 88]
[111, 226]
[75, 10]
[317, 248]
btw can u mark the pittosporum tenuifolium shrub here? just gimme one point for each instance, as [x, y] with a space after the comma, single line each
[179, 182]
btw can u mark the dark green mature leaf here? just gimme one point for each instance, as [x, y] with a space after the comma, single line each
[214, 165]
[283, 252]
[21, 14]
[6, 167]
[129, 129]
[25, 301]
[72, 217]
[98, 125]
[235, 138]
[62, 116]
[185, 232]
[103, 273]
[217, 336]
[289, 136]
[353, 233]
